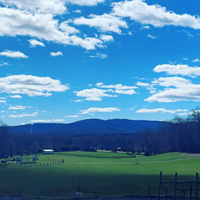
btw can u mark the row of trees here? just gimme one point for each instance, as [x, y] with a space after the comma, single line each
[15, 144]
[181, 134]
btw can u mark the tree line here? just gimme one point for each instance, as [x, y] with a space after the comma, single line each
[179, 135]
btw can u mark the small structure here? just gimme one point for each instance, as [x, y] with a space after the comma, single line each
[34, 158]
[48, 151]
[119, 149]
[18, 159]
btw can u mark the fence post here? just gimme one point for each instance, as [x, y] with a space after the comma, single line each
[191, 185]
[166, 193]
[175, 185]
[159, 187]
[197, 186]
[148, 188]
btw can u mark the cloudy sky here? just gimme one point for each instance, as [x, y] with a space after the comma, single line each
[68, 60]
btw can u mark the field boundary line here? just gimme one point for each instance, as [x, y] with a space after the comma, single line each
[88, 156]
[126, 163]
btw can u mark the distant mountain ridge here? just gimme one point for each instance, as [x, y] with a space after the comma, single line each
[89, 127]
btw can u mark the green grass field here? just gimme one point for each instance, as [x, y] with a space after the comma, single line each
[99, 174]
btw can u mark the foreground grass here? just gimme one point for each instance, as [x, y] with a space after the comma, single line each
[97, 173]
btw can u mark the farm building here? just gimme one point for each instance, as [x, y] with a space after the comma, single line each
[48, 151]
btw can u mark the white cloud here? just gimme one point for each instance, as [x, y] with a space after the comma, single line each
[85, 2]
[64, 26]
[94, 110]
[15, 22]
[151, 36]
[119, 88]
[88, 43]
[105, 22]
[58, 53]
[146, 27]
[153, 14]
[175, 89]
[107, 38]
[13, 54]
[56, 7]
[35, 43]
[3, 64]
[187, 33]
[40, 20]
[189, 93]
[175, 95]
[19, 22]
[38, 6]
[72, 116]
[2, 101]
[127, 92]
[77, 11]
[183, 70]
[16, 96]
[47, 121]
[94, 94]
[163, 110]
[78, 100]
[142, 84]
[17, 107]
[149, 86]
[196, 60]
[31, 85]
[177, 82]
[24, 115]
[99, 55]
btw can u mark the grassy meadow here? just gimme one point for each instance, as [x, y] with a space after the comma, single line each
[97, 173]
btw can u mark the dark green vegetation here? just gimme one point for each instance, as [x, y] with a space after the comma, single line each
[98, 174]
[180, 135]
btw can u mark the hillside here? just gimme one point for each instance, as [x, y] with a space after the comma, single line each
[89, 126]
[98, 174]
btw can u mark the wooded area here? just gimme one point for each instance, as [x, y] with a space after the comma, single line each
[180, 135]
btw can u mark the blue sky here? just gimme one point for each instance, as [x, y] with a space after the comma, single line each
[68, 60]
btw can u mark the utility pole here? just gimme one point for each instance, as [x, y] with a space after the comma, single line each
[31, 128]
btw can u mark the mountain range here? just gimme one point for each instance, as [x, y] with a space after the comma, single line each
[89, 127]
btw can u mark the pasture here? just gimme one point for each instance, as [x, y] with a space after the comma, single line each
[95, 174]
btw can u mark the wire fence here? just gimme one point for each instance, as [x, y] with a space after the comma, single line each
[179, 189]
[41, 163]
[3, 165]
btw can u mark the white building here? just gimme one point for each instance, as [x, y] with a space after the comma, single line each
[48, 151]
